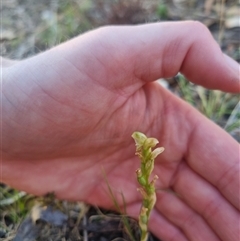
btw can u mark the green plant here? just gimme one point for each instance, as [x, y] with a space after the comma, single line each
[162, 10]
[123, 212]
[214, 104]
[66, 21]
[147, 156]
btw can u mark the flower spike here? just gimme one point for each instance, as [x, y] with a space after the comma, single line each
[147, 156]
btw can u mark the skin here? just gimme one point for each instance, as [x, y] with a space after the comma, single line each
[68, 115]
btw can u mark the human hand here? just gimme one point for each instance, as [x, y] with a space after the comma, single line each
[68, 114]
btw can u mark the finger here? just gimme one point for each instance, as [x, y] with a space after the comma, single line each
[208, 149]
[208, 202]
[163, 49]
[164, 229]
[181, 215]
[214, 155]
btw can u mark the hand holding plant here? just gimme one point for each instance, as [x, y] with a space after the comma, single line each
[147, 156]
[56, 130]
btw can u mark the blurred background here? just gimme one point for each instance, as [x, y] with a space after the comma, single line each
[32, 26]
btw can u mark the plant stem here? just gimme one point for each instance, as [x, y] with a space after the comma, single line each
[147, 156]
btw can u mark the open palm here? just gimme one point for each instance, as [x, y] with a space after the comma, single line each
[70, 113]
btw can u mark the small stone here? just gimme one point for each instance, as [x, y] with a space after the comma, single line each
[7, 34]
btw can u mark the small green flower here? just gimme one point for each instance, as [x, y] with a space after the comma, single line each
[147, 156]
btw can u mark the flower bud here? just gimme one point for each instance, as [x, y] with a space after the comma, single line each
[143, 215]
[150, 142]
[156, 152]
[141, 179]
[139, 139]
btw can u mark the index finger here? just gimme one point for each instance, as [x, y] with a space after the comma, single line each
[207, 149]
[215, 155]
[159, 50]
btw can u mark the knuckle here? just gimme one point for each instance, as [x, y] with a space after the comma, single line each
[198, 27]
[190, 221]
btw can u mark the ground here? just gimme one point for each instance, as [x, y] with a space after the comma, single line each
[32, 26]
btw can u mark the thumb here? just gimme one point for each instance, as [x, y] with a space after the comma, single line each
[152, 51]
